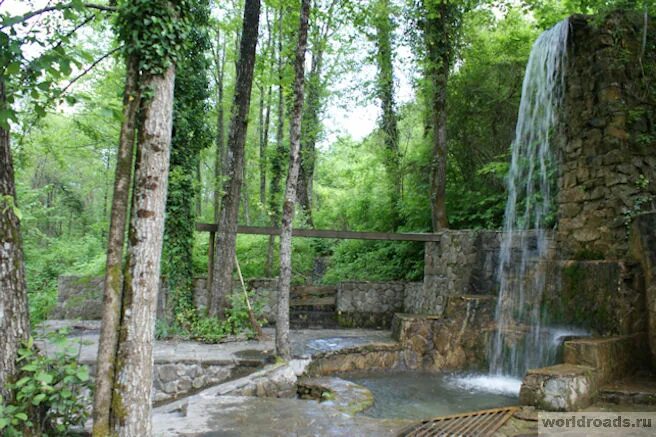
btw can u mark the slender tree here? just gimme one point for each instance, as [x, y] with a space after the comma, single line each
[279, 153]
[14, 320]
[113, 283]
[441, 23]
[384, 41]
[219, 157]
[311, 123]
[283, 348]
[227, 234]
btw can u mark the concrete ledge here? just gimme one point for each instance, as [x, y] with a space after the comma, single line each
[611, 357]
[564, 387]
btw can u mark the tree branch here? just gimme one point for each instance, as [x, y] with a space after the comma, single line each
[88, 69]
[59, 7]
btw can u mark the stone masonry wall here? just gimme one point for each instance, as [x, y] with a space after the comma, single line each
[461, 263]
[369, 304]
[607, 159]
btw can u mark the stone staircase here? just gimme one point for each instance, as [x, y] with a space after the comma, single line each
[313, 307]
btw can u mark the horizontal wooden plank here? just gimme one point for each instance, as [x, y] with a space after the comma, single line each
[313, 291]
[326, 233]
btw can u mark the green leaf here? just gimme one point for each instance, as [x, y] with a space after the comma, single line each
[3, 423]
[83, 374]
[21, 416]
[43, 377]
[38, 399]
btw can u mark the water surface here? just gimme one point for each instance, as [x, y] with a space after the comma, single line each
[421, 395]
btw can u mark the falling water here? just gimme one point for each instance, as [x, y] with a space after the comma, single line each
[520, 341]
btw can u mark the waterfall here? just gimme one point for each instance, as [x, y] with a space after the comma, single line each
[520, 342]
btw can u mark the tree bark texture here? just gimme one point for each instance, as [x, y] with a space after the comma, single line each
[438, 48]
[278, 157]
[227, 234]
[14, 317]
[131, 398]
[283, 348]
[113, 284]
[384, 27]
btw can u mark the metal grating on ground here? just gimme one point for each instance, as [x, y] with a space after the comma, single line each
[478, 423]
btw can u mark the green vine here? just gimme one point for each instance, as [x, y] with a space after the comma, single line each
[154, 32]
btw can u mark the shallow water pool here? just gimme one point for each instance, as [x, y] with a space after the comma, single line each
[421, 395]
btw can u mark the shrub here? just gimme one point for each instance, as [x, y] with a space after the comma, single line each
[51, 394]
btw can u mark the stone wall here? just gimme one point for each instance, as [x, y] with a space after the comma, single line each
[369, 304]
[602, 297]
[461, 263]
[456, 340]
[78, 298]
[607, 159]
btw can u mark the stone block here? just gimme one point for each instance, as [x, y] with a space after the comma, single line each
[564, 387]
[611, 357]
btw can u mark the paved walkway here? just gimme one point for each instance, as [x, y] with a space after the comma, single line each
[305, 342]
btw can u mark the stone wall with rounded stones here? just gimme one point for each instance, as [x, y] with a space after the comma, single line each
[608, 149]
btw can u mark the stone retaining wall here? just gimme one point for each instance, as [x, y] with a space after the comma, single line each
[369, 304]
[607, 160]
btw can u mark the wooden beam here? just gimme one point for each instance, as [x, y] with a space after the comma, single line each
[324, 233]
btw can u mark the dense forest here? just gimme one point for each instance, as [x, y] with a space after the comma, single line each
[123, 124]
[363, 58]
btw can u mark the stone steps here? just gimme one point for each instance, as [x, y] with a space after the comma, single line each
[636, 390]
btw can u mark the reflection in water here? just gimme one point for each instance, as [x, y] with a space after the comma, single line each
[420, 395]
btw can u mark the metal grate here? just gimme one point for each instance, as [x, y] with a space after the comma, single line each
[478, 423]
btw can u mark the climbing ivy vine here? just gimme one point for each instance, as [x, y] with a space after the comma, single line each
[191, 134]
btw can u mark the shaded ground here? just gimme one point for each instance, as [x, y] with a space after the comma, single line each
[251, 416]
[305, 342]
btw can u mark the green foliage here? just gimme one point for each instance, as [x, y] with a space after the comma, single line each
[154, 32]
[51, 393]
[191, 134]
[190, 324]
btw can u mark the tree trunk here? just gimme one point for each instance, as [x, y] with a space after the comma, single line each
[309, 132]
[385, 93]
[311, 125]
[219, 158]
[14, 318]
[278, 157]
[283, 348]
[438, 42]
[131, 401]
[113, 284]
[227, 232]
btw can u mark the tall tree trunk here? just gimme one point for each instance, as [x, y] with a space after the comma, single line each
[219, 158]
[385, 93]
[131, 400]
[279, 155]
[438, 48]
[264, 145]
[113, 283]
[227, 233]
[283, 348]
[311, 125]
[265, 114]
[14, 318]
[309, 132]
